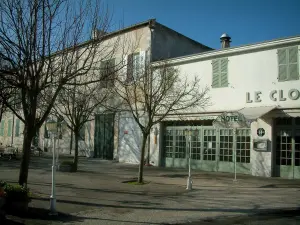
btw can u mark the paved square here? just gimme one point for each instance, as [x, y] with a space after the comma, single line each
[96, 194]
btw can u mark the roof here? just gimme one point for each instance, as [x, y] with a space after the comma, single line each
[231, 50]
[149, 22]
[121, 31]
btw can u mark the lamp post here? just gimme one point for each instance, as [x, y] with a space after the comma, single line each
[61, 127]
[188, 134]
[52, 128]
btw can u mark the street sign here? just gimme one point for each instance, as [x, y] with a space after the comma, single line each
[261, 132]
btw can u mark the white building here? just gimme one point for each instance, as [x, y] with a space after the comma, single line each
[256, 88]
[148, 40]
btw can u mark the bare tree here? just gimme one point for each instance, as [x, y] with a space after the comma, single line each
[153, 94]
[79, 104]
[41, 41]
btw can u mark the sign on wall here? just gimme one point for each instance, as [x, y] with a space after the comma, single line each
[274, 95]
[231, 120]
[260, 132]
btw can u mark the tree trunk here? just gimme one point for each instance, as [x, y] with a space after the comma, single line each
[75, 166]
[28, 136]
[141, 167]
[71, 142]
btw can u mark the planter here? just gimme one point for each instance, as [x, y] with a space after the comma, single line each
[65, 168]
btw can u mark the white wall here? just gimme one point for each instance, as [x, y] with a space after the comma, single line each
[130, 140]
[261, 161]
[249, 72]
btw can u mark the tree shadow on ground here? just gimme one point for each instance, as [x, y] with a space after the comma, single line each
[256, 208]
[38, 215]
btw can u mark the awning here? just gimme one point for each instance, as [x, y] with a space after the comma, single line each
[253, 113]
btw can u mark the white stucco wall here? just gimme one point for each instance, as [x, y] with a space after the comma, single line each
[261, 161]
[249, 72]
[130, 140]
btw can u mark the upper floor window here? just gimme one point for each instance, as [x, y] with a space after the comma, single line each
[107, 73]
[220, 73]
[288, 64]
[135, 65]
[2, 124]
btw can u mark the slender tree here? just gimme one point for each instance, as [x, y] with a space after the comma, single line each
[79, 104]
[47, 44]
[153, 94]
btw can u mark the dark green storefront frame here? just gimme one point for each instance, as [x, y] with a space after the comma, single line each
[217, 161]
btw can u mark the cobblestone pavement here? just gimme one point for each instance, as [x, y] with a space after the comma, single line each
[96, 195]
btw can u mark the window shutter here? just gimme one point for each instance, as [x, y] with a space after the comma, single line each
[103, 71]
[224, 72]
[17, 129]
[112, 72]
[2, 127]
[46, 134]
[282, 65]
[9, 128]
[123, 71]
[215, 73]
[293, 63]
[129, 77]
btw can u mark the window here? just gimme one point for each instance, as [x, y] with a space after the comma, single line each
[107, 73]
[135, 63]
[17, 129]
[9, 128]
[219, 73]
[2, 127]
[288, 64]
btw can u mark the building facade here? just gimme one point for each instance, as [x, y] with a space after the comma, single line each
[140, 43]
[253, 123]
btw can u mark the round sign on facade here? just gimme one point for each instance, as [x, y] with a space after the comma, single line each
[261, 132]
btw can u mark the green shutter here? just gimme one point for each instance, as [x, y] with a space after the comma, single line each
[224, 72]
[215, 73]
[103, 71]
[293, 63]
[9, 128]
[17, 130]
[129, 76]
[46, 134]
[282, 64]
[111, 75]
[2, 127]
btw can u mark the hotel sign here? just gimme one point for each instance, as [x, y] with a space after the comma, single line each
[274, 95]
[231, 120]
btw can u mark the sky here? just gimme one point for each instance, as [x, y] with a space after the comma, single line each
[205, 21]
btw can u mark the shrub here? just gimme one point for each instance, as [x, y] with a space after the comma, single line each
[2, 183]
[16, 192]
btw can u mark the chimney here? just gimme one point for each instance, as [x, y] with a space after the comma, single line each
[225, 41]
[98, 33]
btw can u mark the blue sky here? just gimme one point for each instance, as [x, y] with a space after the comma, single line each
[245, 21]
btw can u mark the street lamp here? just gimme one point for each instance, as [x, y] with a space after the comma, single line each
[61, 127]
[52, 128]
[188, 134]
